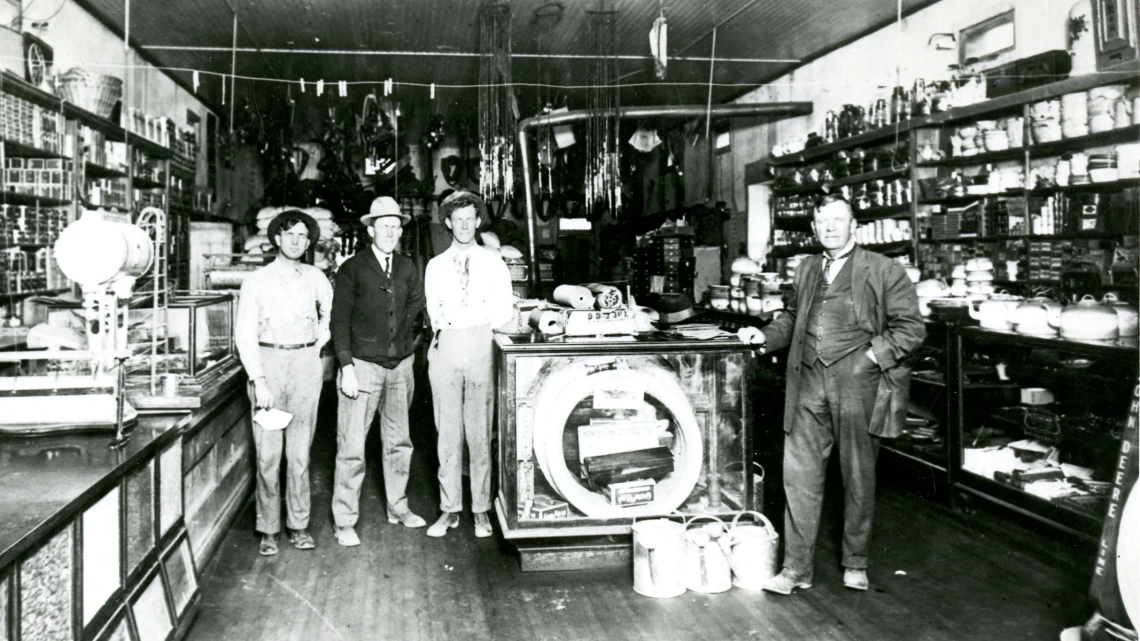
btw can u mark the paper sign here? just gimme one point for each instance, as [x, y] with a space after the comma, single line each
[272, 419]
[602, 438]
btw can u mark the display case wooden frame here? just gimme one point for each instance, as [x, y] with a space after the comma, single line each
[512, 351]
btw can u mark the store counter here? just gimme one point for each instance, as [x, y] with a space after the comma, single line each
[88, 532]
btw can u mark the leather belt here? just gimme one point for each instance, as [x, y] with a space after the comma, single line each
[293, 346]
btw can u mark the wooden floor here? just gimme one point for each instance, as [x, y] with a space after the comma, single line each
[936, 575]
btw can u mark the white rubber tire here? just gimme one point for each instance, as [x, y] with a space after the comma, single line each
[562, 390]
[1128, 554]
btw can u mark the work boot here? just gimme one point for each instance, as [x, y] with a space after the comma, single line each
[785, 583]
[301, 539]
[482, 525]
[346, 536]
[856, 579]
[445, 522]
[268, 546]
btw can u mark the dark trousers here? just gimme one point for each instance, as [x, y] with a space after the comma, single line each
[835, 407]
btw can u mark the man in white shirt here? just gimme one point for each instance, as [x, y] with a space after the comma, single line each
[468, 294]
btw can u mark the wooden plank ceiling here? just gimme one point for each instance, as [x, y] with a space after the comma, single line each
[303, 35]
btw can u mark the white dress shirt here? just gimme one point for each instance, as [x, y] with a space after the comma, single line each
[834, 266]
[490, 300]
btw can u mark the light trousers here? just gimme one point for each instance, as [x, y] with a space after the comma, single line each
[389, 391]
[294, 379]
[461, 375]
[835, 407]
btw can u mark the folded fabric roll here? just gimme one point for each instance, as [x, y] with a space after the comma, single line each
[255, 242]
[574, 296]
[605, 296]
[318, 213]
[267, 214]
[328, 228]
[490, 240]
[507, 251]
[545, 321]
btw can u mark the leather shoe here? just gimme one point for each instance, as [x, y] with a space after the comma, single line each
[445, 522]
[785, 583]
[482, 525]
[268, 546]
[855, 579]
[408, 518]
[301, 539]
[346, 536]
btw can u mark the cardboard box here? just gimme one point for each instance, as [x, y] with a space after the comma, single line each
[544, 508]
[631, 493]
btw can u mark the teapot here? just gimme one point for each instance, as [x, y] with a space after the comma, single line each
[1090, 320]
[1126, 315]
[997, 312]
[1037, 316]
[932, 288]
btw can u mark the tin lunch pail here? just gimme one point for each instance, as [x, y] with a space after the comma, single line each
[658, 552]
[753, 551]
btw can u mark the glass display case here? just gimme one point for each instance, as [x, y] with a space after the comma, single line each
[594, 433]
[179, 568]
[46, 608]
[1040, 421]
[200, 334]
[921, 453]
[170, 487]
[102, 553]
[152, 614]
[4, 607]
[140, 515]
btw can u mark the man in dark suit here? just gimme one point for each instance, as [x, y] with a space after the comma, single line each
[852, 320]
[378, 297]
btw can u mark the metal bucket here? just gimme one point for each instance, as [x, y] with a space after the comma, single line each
[754, 548]
[658, 552]
[707, 553]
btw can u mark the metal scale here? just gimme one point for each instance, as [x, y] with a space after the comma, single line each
[59, 390]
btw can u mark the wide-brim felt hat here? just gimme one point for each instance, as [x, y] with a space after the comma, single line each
[275, 226]
[381, 207]
[458, 200]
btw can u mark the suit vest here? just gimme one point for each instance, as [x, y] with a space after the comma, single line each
[832, 332]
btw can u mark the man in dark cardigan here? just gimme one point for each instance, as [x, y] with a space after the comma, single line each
[378, 297]
[852, 320]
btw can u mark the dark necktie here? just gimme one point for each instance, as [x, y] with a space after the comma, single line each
[388, 266]
[828, 260]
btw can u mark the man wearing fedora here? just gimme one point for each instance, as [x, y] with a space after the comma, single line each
[378, 298]
[468, 290]
[282, 322]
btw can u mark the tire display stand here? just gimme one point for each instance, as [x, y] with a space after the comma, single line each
[549, 389]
